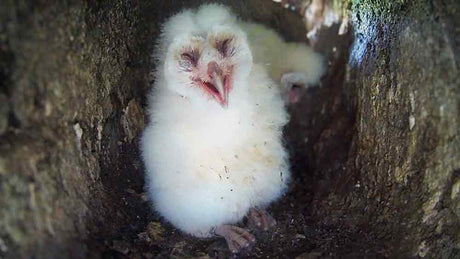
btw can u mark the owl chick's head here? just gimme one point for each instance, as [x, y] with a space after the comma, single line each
[207, 54]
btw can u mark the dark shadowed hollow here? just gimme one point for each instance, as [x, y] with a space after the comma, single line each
[374, 148]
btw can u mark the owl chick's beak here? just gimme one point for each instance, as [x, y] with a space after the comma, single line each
[218, 85]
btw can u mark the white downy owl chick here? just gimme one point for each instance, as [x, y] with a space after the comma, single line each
[213, 147]
[291, 64]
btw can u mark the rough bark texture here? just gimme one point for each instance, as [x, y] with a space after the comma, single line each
[72, 76]
[375, 149]
[406, 153]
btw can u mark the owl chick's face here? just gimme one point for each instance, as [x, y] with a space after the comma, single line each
[207, 64]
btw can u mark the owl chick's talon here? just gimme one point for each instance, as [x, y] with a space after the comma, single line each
[237, 238]
[260, 219]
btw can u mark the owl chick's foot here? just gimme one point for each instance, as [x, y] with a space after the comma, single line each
[237, 238]
[294, 85]
[260, 219]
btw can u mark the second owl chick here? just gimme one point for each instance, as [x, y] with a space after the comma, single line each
[288, 63]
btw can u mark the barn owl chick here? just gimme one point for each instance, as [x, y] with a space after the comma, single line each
[212, 149]
[294, 65]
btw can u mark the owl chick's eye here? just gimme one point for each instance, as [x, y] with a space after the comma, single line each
[189, 60]
[225, 47]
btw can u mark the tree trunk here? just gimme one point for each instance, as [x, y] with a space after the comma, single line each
[374, 150]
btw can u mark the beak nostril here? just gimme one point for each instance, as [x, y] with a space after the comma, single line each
[214, 69]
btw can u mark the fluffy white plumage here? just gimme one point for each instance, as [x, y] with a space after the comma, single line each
[213, 147]
[287, 63]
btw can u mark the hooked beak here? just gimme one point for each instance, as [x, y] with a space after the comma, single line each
[218, 85]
